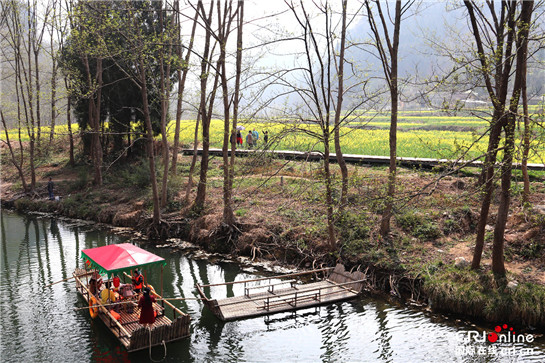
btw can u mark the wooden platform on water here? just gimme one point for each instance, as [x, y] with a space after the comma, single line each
[130, 333]
[287, 295]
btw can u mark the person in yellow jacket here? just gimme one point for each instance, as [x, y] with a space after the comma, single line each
[107, 294]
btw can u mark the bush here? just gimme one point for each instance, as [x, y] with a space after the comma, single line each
[353, 226]
[354, 247]
[81, 182]
[416, 225]
[132, 175]
[241, 212]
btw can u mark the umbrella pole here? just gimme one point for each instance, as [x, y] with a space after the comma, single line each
[162, 280]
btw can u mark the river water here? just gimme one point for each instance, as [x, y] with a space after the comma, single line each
[39, 323]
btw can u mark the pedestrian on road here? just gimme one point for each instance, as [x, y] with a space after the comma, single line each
[255, 136]
[249, 140]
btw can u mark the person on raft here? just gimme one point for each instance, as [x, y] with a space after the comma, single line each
[95, 283]
[147, 314]
[137, 281]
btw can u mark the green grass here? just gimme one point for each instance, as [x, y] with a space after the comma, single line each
[476, 293]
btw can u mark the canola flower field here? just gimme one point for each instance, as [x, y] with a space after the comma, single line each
[412, 142]
[422, 136]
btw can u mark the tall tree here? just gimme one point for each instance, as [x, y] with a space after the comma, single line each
[338, 107]
[165, 39]
[321, 65]
[182, 71]
[17, 163]
[224, 30]
[388, 48]
[495, 37]
[236, 97]
[21, 38]
[206, 104]
[522, 27]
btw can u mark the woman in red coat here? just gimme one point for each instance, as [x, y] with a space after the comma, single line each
[147, 314]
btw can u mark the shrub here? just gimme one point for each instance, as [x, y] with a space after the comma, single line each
[416, 225]
[241, 212]
[353, 226]
[81, 182]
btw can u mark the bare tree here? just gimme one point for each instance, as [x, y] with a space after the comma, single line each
[224, 30]
[206, 112]
[183, 69]
[523, 25]
[495, 38]
[165, 94]
[319, 106]
[387, 49]
[338, 107]
[21, 63]
[17, 163]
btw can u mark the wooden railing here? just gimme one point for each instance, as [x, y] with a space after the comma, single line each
[245, 282]
[293, 297]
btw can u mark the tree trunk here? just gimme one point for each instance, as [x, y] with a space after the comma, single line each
[69, 121]
[165, 93]
[96, 125]
[498, 266]
[497, 92]
[193, 158]
[30, 90]
[387, 50]
[53, 97]
[338, 109]
[149, 134]
[525, 142]
[13, 158]
[332, 240]
[70, 135]
[200, 198]
[224, 26]
[490, 160]
[181, 86]
[38, 112]
[236, 96]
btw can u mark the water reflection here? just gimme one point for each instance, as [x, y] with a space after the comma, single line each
[39, 322]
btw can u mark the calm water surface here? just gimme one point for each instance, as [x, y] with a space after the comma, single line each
[39, 323]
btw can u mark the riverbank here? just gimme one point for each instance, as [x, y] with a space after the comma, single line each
[280, 212]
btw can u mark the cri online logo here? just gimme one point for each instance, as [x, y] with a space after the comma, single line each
[493, 337]
[501, 334]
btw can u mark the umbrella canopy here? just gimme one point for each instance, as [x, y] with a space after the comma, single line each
[241, 128]
[119, 257]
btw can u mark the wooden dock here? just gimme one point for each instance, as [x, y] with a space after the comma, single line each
[261, 297]
[130, 333]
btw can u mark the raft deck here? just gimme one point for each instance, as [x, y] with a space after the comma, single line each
[287, 295]
[130, 333]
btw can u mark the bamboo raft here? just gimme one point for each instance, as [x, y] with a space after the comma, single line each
[287, 295]
[128, 330]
